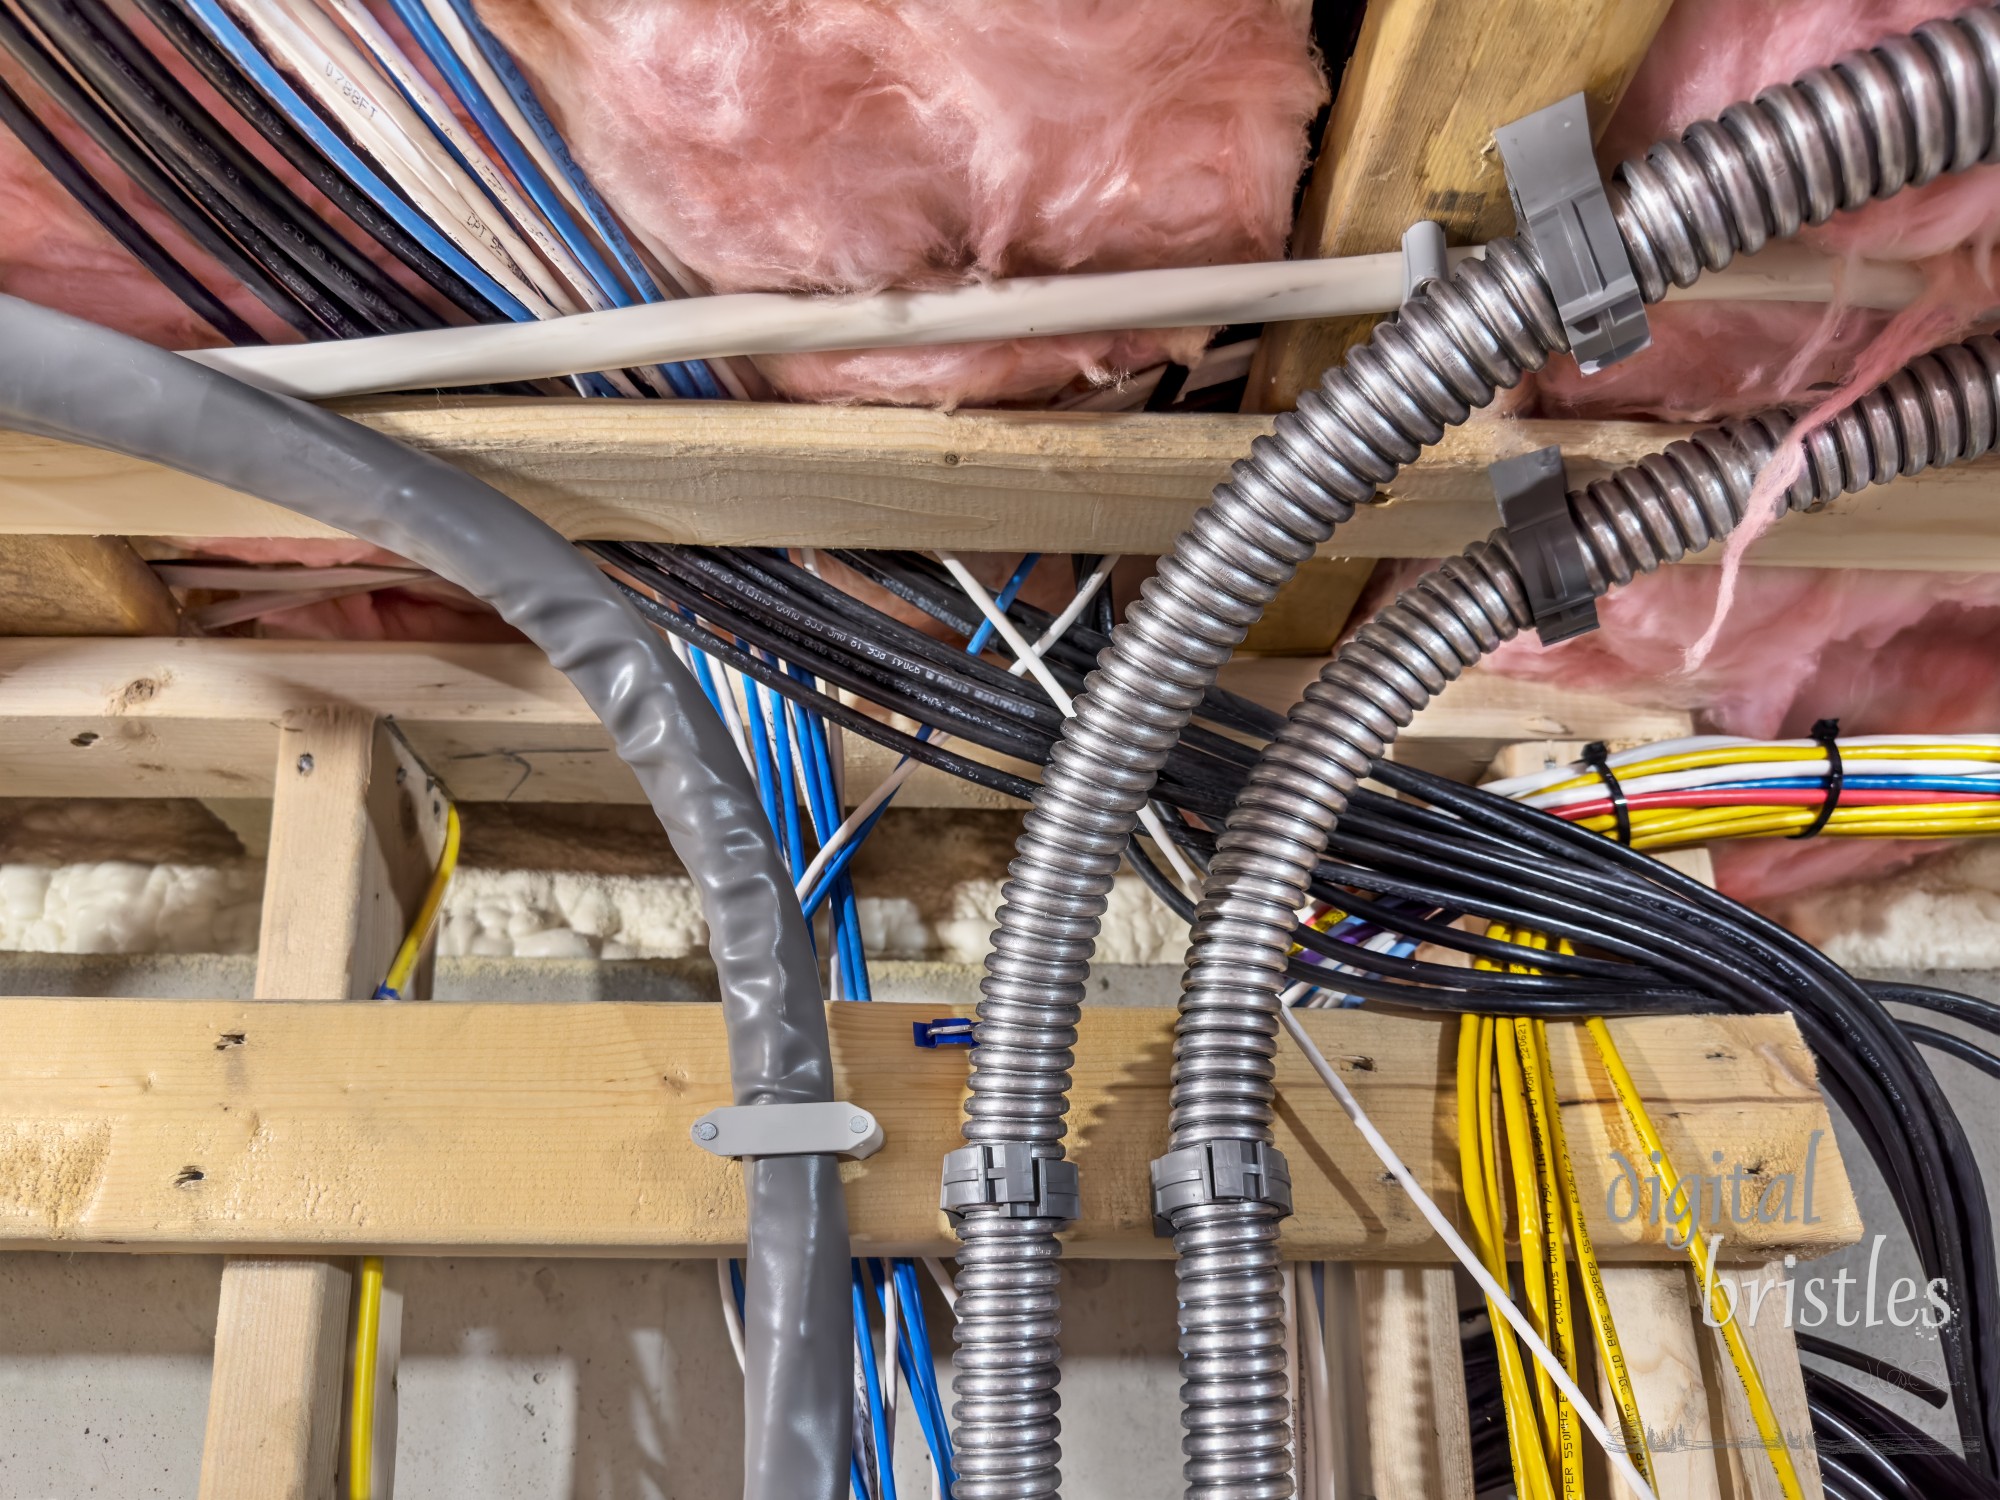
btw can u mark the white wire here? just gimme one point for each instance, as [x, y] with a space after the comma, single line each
[1321, 1384]
[890, 1371]
[852, 824]
[1765, 770]
[1496, 1294]
[731, 1319]
[252, 578]
[1149, 817]
[945, 1285]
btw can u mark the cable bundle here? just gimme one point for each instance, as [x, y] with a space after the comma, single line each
[1563, 923]
[1706, 787]
[473, 193]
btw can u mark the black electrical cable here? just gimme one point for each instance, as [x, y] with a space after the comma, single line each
[75, 179]
[1647, 937]
[1982, 1013]
[1953, 1046]
[1881, 1369]
[54, 80]
[307, 160]
[191, 149]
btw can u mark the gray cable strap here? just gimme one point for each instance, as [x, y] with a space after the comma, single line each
[1223, 1171]
[1010, 1177]
[1561, 206]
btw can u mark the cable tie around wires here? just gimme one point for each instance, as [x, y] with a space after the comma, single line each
[1599, 760]
[1220, 1171]
[1007, 1175]
[1533, 493]
[1827, 733]
[1560, 205]
[946, 1031]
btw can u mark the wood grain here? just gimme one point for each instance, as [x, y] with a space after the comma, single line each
[533, 1128]
[1656, 1328]
[1411, 136]
[767, 475]
[200, 718]
[1419, 1433]
[81, 585]
[354, 830]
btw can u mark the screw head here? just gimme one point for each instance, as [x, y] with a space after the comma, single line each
[858, 1124]
[306, 764]
[706, 1131]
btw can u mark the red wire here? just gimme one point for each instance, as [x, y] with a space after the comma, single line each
[1798, 796]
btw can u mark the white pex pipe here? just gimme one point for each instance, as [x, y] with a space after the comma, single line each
[741, 323]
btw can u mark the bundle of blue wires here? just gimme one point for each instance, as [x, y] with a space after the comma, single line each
[792, 757]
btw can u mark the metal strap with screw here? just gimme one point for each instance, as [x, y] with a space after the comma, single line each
[1225, 1171]
[1561, 207]
[1010, 1177]
[836, 1128]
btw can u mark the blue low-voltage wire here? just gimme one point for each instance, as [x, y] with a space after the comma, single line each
[533, 181]
[602, 220]
[871, 1379]
[228, 36]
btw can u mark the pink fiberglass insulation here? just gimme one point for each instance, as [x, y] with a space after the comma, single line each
[852, 145]
[1720, 359]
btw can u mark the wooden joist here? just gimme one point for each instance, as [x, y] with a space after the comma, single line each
[80, 585]
[1411, 136]
[199, 718]
[550, 1128]
[769, 475]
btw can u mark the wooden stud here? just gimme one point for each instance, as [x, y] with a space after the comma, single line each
[1419, 1432]
[742, 474]
[1760, 1303]
[1310, 612]
[1656, 1328]
[1411, 136]
[81, 585]
[353, 834]
[567, 1127]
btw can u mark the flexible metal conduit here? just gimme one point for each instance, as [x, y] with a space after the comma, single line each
[69, 379]
[1941, 409]
[1866, 127]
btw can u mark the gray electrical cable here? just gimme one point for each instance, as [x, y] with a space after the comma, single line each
[1870, 125]
[68, 379]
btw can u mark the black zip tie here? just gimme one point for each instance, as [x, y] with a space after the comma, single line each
[1599, 760]
[1827, 733]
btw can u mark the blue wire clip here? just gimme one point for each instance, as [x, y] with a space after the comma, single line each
[950, 1031]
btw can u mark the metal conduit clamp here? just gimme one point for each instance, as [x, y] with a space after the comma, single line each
[1561, 207]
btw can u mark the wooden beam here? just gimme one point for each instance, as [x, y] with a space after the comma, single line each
[751, 475]
[1411, 137]
[563, 1129]
[354, 830]
[199, 718]
[81, 585]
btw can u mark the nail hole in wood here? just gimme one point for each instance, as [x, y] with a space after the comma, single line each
[85, 740]
[188, 1177]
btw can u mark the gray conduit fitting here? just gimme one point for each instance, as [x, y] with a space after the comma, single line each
[68, 379]
[1894, 116]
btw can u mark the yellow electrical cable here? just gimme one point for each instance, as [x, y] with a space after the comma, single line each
[1732, 755]
[361, 1416]
[1528, 1218]
[1568, 1452]
[1702, 1254]
[368, 1299]
[1475, 1058]
[420, 925]
[1610, 1353]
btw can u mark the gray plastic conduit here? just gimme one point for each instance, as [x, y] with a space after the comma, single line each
[1875, 122]
[1941, 409]
[68, 379]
